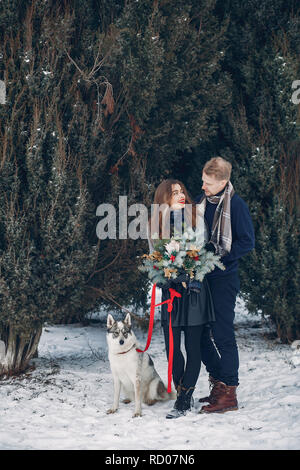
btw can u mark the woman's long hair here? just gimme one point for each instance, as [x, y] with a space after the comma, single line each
[159, 221]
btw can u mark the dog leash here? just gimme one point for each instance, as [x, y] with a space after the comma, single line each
[173, 294]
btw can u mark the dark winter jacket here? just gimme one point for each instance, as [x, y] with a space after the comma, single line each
[243, 238]
[195, 307]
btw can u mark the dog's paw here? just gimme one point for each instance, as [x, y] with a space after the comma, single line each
[110, 411]
[150, 402]
[126, 401]
[137, 414]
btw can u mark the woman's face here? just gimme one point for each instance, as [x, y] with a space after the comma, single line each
[178, 198]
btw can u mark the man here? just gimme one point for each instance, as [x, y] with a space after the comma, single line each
[231, 235]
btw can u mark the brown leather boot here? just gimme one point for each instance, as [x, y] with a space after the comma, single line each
[224, 399]
[212, 383]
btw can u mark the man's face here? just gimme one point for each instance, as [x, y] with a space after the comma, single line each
[211, 186]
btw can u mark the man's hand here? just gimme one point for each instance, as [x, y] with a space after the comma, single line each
[182, 277]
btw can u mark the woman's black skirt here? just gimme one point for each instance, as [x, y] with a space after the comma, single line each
[191, 309]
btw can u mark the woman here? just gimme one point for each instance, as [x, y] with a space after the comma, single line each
[194, 310]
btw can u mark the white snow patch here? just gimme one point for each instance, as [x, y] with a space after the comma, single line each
[62, 403]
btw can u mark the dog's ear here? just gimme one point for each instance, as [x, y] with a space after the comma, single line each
[128, 319]
[110, 321]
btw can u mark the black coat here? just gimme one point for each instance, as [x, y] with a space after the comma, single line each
[191, 308]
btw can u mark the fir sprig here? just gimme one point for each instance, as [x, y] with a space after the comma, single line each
[176, 255]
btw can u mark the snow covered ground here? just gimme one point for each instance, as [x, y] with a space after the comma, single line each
[62, 403]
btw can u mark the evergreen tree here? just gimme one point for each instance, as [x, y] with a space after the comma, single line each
[164, 68]
[259, 134]
[102, 99]
[48, 149]
[107, 99]
[266, 122]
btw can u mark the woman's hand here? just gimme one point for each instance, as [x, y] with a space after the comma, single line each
[182, 277]
[164, 285]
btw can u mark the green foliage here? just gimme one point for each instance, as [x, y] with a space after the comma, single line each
[164, 66]
[44, 199]
[266, 171]
[259, 134]
[102, 99]
[180, 254]
[107, 99]
[167, 82]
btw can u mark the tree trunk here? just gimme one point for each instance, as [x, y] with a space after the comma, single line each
[16, 350]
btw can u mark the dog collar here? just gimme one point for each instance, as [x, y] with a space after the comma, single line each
[128, 350]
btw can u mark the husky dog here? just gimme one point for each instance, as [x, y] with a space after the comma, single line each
[132, 370]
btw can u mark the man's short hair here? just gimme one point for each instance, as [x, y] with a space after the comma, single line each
[219, 168]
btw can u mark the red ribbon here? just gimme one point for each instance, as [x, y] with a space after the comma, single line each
[173, 294]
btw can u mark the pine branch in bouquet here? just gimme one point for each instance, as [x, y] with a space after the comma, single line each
[176, 256]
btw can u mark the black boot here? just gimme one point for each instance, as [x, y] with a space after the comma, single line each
[178, 386]
[182, 404]
[178, 389]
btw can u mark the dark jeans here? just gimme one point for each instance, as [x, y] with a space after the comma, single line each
[222, 363]
[188, 373]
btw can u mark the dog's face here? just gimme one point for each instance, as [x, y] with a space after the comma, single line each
[120, 337]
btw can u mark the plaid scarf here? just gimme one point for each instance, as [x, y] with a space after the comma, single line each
[221, 236]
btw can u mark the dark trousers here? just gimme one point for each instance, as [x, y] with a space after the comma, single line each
[222, 363]
[187, 373]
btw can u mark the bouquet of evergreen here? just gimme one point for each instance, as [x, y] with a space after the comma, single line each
[184, 254]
